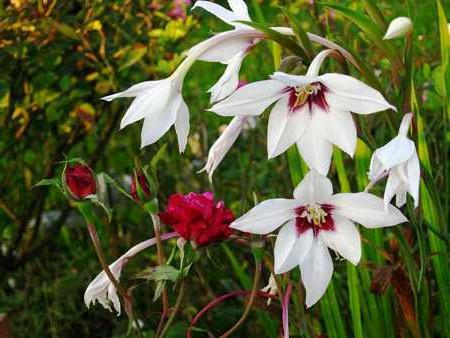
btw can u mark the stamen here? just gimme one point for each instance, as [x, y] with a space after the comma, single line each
[314, 216]
[313, 93]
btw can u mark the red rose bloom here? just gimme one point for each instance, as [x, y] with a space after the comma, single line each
[139, 178]
[79, 181]
[196, 217]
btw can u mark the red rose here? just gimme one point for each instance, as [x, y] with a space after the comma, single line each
[79, 181]
[196, 217]
[139, 178]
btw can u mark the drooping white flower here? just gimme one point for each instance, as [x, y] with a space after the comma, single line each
[398, 28]
[311, 110]
[398, 159]
[102, 290]
[223, 144]
[228, 82]
[313, 222]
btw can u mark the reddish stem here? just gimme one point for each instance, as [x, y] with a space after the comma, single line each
[285, 310]
[219, 300]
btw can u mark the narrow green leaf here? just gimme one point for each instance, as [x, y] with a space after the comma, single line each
[375, 14]
[300, 33]
[372, 31]
[283, 40]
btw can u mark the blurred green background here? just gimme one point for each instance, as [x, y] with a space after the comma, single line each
[57, 58]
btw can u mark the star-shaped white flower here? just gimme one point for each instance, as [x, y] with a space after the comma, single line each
[314, 221]
[398, 159]
[311, 110]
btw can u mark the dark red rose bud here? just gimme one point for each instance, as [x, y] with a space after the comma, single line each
[79, 180]
[139, 178]
[197, 218]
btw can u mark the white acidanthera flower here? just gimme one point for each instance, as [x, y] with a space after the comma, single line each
[223, 144]
[398, 159]
[102, 290]
[311, 110]
[228, 82]
[314, 221]
[398, 28]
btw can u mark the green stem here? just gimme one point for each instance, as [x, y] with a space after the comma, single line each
[175, 309]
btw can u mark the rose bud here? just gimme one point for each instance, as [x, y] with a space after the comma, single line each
[79, 180]
[139, 179]
[198, 218]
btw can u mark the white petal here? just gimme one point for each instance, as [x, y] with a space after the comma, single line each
[134, 90]
[400, 199]
[222, 13]
[405, 124]
[285, 126]
[316, 271]
[397, 151]
[223, 144]
[314, 66]
[392, 185]
[182, 126]
[148, 103]
[338, 128]
[413, 170]
[251, 99]
[156, 126]
[229, 80]
[376, 168]
[313, 188]
[290, 248]
[266, 216]
[223, 46]
[366, 209]
[345, 239]
[240, 9]
[346, 93]
[398, 28]
[293, 80]
[315, 150]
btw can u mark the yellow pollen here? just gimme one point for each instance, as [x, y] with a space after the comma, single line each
[303, 94]
[315, 214]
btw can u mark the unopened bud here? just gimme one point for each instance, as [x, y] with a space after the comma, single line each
[79, 180]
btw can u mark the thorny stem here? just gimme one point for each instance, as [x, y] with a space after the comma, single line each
[175, 309]
[160, 259]
[250, 302]
[105, 267]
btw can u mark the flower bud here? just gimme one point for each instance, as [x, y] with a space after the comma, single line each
[79, 180]
[139, 179]
[398, 28]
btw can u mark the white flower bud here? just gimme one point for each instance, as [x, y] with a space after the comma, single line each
[398, 28]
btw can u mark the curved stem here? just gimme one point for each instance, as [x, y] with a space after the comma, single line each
[220, 299]
[105, 267]
[174, 310]
[248, 307]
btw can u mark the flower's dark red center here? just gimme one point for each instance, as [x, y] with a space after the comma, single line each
[310, 94]
[314, 216]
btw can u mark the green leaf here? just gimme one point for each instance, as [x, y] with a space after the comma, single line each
[159, 273]
[49, 182]
[158, 157]
[117, 185]
[375, 13]
[283, 40]
[133, 56]
[372, 30]
[300, 34]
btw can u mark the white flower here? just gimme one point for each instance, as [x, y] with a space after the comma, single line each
[398, 28]
[399, 160]
[311, 110]
[228, 82]
[223, 144]
[314, 221]
[102, 290]
[161, 105]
